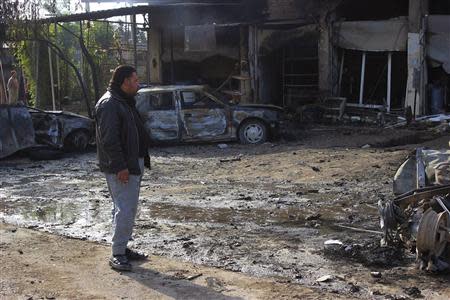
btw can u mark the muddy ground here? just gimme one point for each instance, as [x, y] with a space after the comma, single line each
[262, 211]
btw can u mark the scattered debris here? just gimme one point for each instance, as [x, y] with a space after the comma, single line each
[375, 274]
[366, 146]
[222, 146]
[413, 292]
[313, 217]
[430, 121]
[230, 159]
[215, 284]
[354, 288]
[315, 169]
[359, 229]
[243, 197]
[325, 278]
[434, 118]
[370, 254]
[194, 276]
[333, 242]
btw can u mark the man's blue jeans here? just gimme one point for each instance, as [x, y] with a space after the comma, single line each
[125, 197]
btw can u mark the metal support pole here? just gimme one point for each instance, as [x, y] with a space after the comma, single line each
[52, 86]
[256, 51]
[37, 102]
[363, 73]
[58, 77]
[284, 76]
[148, 57]
[341, 70]
[389, 83]
[4, 82]
[134, 33]
[58, 81]
[172, 63]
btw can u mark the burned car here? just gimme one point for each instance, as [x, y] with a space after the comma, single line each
[38, 131]
[196, 113]
[62, 130]
[16, 129]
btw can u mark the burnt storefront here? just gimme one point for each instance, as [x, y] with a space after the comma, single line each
[383, 55]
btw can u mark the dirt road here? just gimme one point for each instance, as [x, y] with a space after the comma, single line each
[37, 265]
[262, 212]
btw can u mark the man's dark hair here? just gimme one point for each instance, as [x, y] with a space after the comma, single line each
[119, 75]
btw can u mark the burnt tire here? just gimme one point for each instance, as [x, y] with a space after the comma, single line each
[76, 141]
[253, 132]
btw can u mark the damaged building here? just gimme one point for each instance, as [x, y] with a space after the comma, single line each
[382, 55]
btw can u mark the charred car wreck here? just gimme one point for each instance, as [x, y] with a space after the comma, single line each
[62, 130]
[419, 219]
[16, 129]
[34, 129]
[196, 113]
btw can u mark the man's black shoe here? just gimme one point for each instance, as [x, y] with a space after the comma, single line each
[120, 262]
[134, 255]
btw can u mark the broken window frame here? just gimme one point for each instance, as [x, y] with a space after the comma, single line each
[362, 81]
[151, 97]
[200, 96]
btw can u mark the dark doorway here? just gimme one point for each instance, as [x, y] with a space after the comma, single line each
[439, 7]
[289, 74]
[438, 90]
[375, 87]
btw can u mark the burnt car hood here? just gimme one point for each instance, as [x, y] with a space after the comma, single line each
[256, 106]
[65, 113]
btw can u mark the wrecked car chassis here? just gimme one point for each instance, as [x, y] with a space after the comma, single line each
[180, 113]
[16, 129]
[62, 130]
[38, 131]
[420, 220]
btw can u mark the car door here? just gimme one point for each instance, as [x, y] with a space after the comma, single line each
[203, 117]
[159, 114]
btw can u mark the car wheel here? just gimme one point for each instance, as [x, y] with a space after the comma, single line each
[253, 132]
[76, 141]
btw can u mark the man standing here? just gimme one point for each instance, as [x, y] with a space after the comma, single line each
[13, 88]
[122, 145]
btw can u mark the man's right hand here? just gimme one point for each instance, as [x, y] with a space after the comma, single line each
[123, 176]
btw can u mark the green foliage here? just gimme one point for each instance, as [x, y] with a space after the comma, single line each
[25, 53]
[99, 38]
[25, 59]
[8, 10]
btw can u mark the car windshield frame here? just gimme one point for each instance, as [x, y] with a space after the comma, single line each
[216, 96]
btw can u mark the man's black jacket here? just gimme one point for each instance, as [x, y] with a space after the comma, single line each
[117, 134]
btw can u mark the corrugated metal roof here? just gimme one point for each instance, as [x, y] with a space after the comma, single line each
[140, 9]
